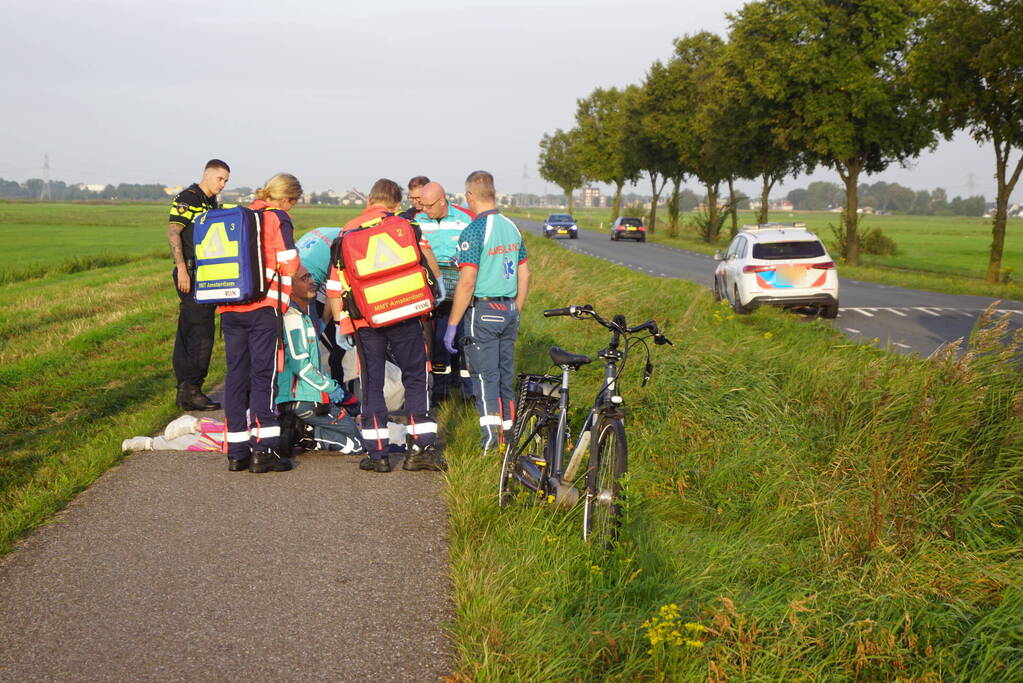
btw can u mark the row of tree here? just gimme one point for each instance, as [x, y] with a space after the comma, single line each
[889, 198]
[798, 84]
[36, 188]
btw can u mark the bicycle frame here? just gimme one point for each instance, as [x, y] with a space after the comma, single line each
[546, 471]
[607, 400]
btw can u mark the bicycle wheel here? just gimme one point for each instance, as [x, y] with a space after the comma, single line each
[602, 508]
[524, 471]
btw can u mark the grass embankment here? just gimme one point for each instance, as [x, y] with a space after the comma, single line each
[938, 253]
[816, 509]
[87, 327]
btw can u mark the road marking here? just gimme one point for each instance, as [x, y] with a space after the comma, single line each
[921, 308]
[849, 329]
[863, 311]
[896, 312]
[903, 346]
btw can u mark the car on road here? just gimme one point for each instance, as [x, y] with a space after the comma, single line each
[780, 264]
[626, 228]
[560, 225]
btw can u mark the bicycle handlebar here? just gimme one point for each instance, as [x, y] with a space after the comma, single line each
[614, 326]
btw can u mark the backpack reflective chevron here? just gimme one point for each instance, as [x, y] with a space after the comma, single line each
[386, 275]
[228, 257]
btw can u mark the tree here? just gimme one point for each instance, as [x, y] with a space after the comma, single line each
[605, 152]
[650, 136]
[969, 65]
[559, 162]
[840, 68]
[679, 87]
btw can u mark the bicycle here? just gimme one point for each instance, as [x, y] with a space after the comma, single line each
[534, 456]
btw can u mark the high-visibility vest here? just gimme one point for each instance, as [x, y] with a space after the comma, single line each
[384, 275]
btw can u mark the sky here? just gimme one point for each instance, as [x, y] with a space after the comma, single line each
[340, 93]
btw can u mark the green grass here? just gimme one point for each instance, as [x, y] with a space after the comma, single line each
[939, 253]
[825, 510]
[86, 332]
[41, 238]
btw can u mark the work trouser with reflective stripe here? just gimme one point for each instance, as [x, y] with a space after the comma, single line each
[333, 428]
[447, 369]
[250, 344]
[407, 343]
[490, 332]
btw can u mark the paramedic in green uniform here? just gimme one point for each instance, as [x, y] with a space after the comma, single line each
[194, 341]
[492, 285]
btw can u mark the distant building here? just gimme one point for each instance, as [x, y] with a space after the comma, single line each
[352, 198]
[100, 187]
[772, 205]
[591, 198]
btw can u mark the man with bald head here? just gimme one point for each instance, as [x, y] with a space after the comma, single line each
[442, 223]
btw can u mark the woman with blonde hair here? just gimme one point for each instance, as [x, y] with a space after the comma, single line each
[252, 335]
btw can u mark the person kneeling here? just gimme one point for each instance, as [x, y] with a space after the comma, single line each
[302, 388]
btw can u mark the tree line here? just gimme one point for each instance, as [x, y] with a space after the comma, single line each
[35, 188]
[800, 84]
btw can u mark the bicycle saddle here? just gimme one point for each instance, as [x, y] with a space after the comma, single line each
[562, 357]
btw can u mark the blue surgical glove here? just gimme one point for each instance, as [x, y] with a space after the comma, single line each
[345, 341]
[338, 395]
[449, 338]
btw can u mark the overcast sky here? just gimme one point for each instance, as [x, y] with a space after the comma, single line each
[340, 93]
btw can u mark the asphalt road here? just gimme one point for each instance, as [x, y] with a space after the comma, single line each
[171, 568]
[908, 320]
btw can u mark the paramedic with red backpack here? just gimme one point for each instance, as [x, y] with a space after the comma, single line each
[382, 239]
[252, 334]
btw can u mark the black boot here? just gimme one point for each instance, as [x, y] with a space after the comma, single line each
[429, 458]
[268, 461]
[190, 397]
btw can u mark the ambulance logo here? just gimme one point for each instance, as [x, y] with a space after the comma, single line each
[509, 268]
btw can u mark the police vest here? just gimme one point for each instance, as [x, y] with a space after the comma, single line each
[385, 276]
[229, 257]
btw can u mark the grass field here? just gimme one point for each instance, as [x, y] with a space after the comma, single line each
[939, 253]
[812, 508]
[38, 238]
[816, 509]
[87, 326]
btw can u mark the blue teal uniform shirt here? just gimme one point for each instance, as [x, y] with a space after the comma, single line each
[314, 252]
[493, 245]
[443, 234]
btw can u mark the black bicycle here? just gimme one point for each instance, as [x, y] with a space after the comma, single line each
[534, 468]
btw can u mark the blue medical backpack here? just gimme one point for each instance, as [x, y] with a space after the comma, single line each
[228, 257]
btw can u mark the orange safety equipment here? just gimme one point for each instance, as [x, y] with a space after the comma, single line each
[382, 271]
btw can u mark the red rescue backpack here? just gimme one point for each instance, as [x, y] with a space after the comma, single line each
[385, 272]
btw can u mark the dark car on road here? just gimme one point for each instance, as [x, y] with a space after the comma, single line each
[560, 225]
[625, 228]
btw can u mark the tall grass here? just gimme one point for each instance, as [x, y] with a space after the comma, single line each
[813, 508]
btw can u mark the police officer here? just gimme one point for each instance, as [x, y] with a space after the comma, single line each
[492, 285]
[194, 341]
[415, 185]
[405, 340]
[442, 224]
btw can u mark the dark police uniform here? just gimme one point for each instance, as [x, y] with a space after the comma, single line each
[196, 322]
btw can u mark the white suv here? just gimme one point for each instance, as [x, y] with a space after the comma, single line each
[783, 264]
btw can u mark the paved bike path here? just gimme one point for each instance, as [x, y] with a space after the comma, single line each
[172, 568]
